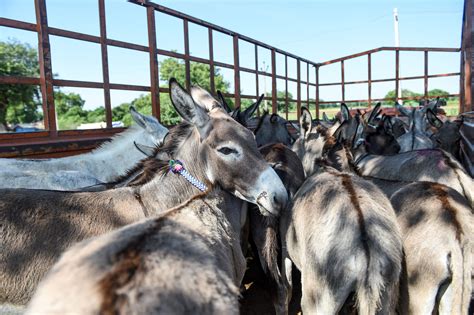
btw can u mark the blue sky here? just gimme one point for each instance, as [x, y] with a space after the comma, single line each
[316, 30]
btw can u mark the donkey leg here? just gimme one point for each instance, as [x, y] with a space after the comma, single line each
[422, 297]
[286, 290]
[319, 297]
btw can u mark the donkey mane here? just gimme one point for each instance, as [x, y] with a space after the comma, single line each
[116, 139]
[129, 260]
[149, 167]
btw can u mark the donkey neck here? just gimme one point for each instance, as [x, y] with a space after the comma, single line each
[167, 189]
[114, 158]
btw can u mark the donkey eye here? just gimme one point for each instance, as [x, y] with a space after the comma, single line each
[227, 151]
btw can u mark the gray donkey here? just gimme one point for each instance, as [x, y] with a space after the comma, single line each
[437, 227]
[186, 261]
[37, 226]
[341, 233]
[111, 160]
[416, 138]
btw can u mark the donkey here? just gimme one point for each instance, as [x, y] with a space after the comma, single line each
[185, 261]
[448, 136]
[267, 128]
[38, 225]
[265, 231]
[416, 138]
[104, 164]
[437, 227]
[341, 233]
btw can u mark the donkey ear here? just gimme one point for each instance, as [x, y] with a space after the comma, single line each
[204, 98]
[150, 124]
[374, 113]
[248, 112]
[346, 115]
[404, 111]
[148, 151]
[433, 119]
[224, 102]
[186, 107]
[326, 118]
[305, 122]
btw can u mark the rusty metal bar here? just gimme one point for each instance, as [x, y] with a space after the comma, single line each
[211, 61]
[105, 64]
[274, 84]
[385, 99]
[187, 63]
[343, 88]
[46, 72]
[19, 80]
[325, 63]
[236, 71]
[397, 74]
[466, 102]
[197, 21]
[393, 79]
[298, 89]
[17, 24]
[317, 92]
[426, 75]
[307, 84]
[256, 77]
[154, 71]
[369, 77]
[286, 87]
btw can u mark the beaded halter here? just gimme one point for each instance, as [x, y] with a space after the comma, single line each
[176, 167]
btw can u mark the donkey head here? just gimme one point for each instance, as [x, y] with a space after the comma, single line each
[448, 136]
[310, 145]
[224, 152]
[416, 118]
[155, 132]
[241, 117]
[272, 129]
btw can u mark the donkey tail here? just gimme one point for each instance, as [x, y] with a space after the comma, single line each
[461, 278]
[378, 288]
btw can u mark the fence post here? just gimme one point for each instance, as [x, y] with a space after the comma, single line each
[286, 87]
[274, 84]
[369, 78]
[154, 74]
[298, 89]
[211, 61]
[343, 88]
[466, 102]
[236, 72]
[317, 91]
[46, 72]
[425, 77]
[187, 63]
[397, 75]
[105, 64]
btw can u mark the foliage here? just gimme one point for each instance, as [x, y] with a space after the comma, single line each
[18, 102]
[71, 113]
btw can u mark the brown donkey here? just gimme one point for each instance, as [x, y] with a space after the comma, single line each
[437, 229]
[37, 226]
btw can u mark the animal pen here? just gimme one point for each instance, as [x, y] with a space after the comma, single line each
[52, 142]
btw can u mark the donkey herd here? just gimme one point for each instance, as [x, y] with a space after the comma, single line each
[374, 212]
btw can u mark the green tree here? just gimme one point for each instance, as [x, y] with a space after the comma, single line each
[18, 102]
[171, 67]
[405, 93]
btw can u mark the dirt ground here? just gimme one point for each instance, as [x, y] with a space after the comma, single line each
[255, 297]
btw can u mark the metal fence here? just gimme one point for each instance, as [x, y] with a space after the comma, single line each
[53, 140]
